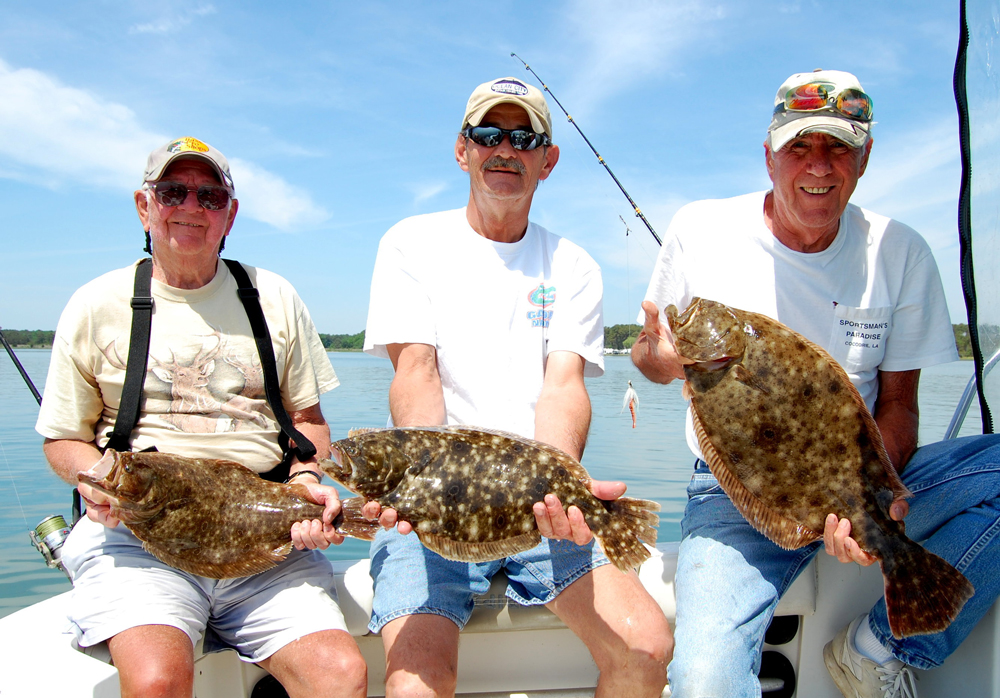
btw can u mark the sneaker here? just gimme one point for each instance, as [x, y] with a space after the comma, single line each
[859, 677]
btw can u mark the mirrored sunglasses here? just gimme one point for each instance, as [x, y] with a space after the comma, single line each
[814, 96]
[492, 136]
[210, 197]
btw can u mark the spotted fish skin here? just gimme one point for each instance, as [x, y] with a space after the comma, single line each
[468, 493]
[213, 518]
[790, 441]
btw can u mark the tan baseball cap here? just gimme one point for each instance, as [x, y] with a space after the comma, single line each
[787, 124]
[186, 148]
[509, 91]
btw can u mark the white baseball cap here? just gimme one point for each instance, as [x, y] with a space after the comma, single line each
[509, 91]
[823, 101]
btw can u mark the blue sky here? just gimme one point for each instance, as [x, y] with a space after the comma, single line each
[340, 118]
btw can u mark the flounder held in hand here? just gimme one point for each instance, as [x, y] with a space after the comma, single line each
[468, 492]
[790, 441]
[213, 518]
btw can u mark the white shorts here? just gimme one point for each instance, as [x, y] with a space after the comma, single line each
[117, 585]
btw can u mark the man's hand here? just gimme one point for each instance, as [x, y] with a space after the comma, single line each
[318, 533]
[837, 539]
[653, 353]
[560, 524]
[98, 505]
[386, 517]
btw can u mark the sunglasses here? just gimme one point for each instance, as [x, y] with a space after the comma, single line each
[210, 197]
[492, 136]
[815, 96]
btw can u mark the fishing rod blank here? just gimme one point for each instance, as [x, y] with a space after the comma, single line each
[20, 368]
[577, 127]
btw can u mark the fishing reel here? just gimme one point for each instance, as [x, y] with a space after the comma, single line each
[48, 538]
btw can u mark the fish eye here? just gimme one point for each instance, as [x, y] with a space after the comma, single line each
[128, 467]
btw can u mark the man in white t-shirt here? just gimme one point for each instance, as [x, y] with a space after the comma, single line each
[492, 321]
[866, 288]
[203, 396]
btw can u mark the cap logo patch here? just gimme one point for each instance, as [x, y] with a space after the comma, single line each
[509, 87]
[187, 145]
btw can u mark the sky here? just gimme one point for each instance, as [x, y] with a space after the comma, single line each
[340, 118]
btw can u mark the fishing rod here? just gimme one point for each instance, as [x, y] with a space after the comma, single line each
[569, 118]
[51, 532]
[20, 368]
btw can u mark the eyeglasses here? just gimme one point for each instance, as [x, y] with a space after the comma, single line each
[492, 136]
[814, 96]
[210, 197]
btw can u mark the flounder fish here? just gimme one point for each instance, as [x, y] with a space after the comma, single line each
[791, 441]
[213, 518]
[468, 492]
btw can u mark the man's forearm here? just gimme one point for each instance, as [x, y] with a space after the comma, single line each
[68, 457]
[897, 414]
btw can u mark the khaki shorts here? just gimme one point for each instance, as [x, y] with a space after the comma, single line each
[117, 585]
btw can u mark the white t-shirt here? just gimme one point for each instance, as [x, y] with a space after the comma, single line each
[204, 392]
[873, 298]
[493, 311]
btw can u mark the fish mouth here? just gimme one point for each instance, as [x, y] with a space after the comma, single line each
[338, 466]
[102, 473]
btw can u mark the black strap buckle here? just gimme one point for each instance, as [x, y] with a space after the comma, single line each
[142, 302]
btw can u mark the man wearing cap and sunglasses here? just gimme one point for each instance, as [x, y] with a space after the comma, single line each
[492, 321]
[802, 254]
[203, 395]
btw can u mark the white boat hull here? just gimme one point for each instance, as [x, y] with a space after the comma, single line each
[506, 650]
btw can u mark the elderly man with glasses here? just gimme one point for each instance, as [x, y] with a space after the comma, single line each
[865, 288]
[492, 321]
[203, 396]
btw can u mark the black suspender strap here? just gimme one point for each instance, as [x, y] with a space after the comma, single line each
[138, 357]
[304, 448]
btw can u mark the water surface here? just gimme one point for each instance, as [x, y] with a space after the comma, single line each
[652, 459]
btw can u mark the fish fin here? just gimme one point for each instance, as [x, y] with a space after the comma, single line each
[743, 375]
[359, 431]
[351, 522]
[923, 592]
[632, 521]
[479, 552]
[253, 563]
[781, 531]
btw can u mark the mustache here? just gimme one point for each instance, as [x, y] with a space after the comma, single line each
[507, 163]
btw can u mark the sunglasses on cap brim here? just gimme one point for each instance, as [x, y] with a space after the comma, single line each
[210, 197]
[816, 96]
[492, 136]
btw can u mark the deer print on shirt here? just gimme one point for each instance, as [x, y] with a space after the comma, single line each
[195, 404]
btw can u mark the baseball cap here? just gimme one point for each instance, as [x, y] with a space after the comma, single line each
[828, 117]
[509, 91]
[190, 149]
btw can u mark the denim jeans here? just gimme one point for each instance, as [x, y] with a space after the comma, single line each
[730, 577]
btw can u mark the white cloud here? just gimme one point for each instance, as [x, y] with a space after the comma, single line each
[627, 42]
[181, 18]
[427, 190]
[55, 134]
[268, 198]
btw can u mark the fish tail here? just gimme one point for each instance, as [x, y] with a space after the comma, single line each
[632, 521]
[923, 592]
[351, 522]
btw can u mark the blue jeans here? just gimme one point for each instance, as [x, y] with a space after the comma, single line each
[730, 577]
[410, 578]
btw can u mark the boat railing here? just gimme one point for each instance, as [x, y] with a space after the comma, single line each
[962, 408]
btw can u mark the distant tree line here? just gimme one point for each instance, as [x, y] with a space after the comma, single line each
[343, 342]
[615, 337]
[29, 338]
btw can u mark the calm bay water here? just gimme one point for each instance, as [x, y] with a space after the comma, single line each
[652, 459]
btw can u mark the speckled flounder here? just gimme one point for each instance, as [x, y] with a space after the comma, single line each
[790, 441]
[213, 518]
[468, 492]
